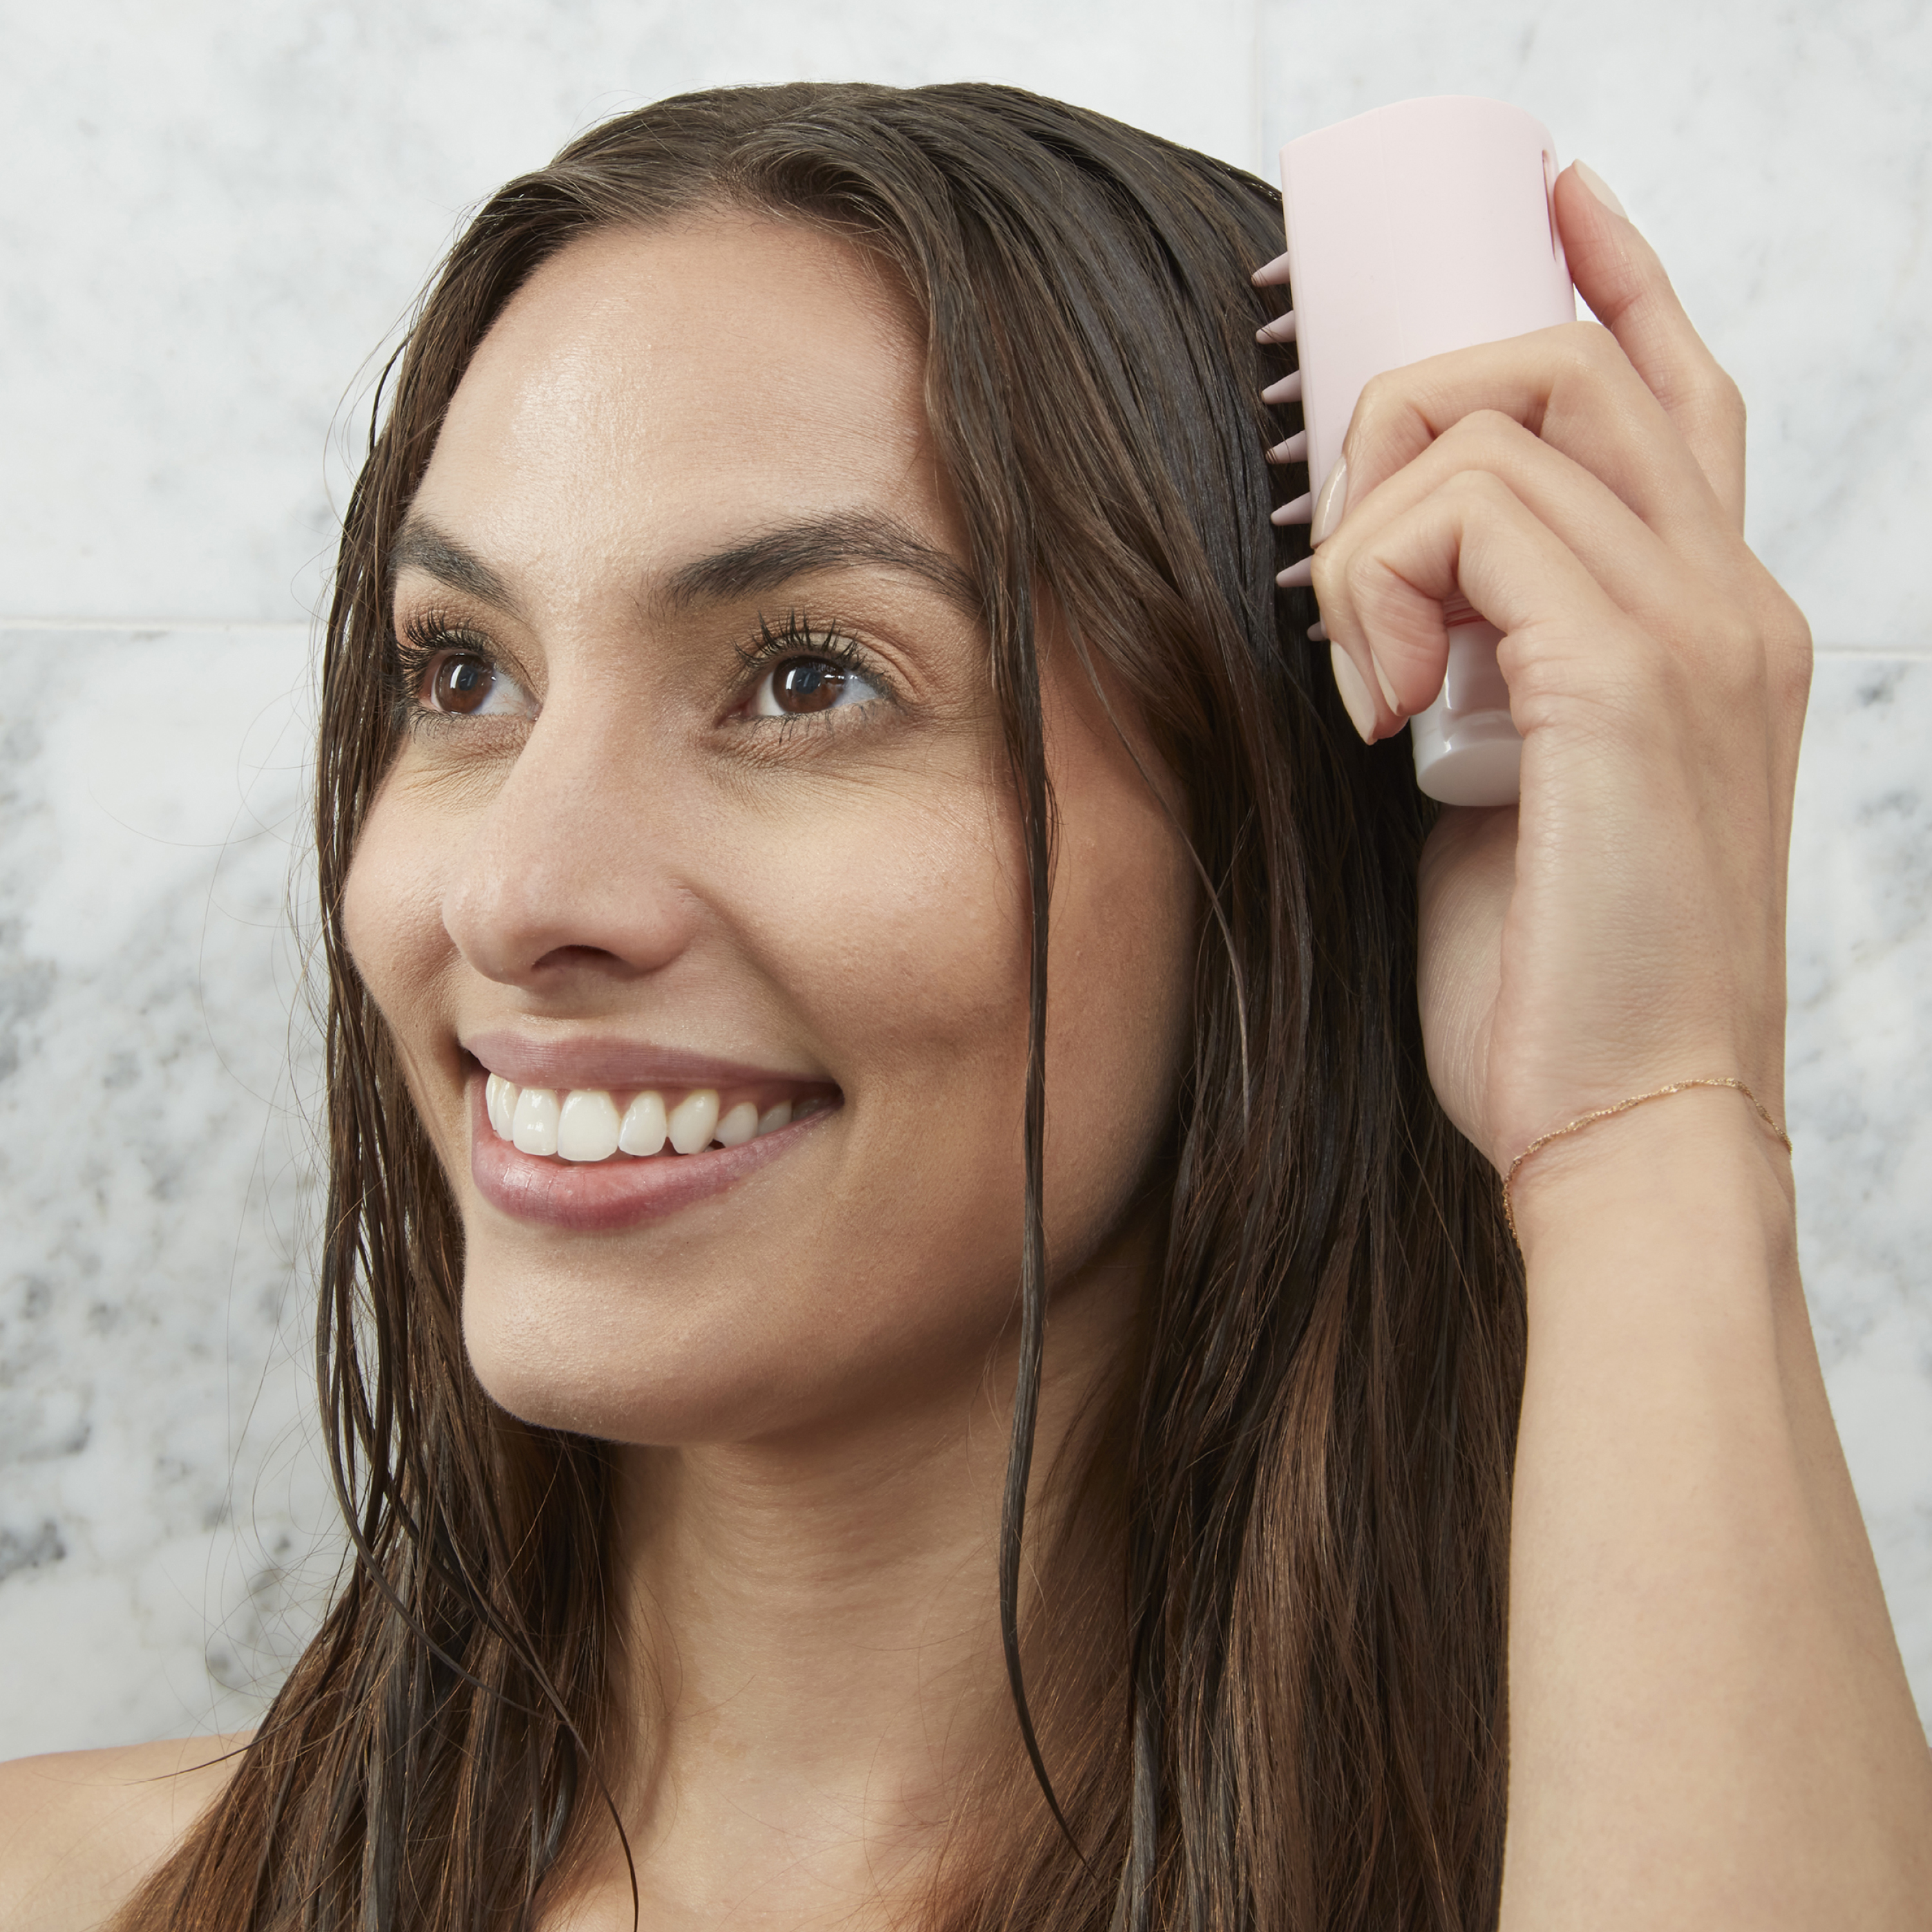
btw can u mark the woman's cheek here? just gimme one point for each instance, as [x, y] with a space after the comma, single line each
[392, 919]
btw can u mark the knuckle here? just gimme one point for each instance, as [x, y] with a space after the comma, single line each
[1587, 349]
[1476, 492]
[1719, 397]
[1484, 436]
[1359, 577]
[1378, 395]
[1791, 654]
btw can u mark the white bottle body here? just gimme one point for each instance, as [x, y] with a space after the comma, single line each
[1413, 230]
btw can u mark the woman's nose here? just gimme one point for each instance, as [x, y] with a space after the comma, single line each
[575, 866]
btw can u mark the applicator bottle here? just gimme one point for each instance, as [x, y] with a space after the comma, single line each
[1413, 230]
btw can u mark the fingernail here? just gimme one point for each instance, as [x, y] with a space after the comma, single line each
[1318, 632]
[1298, 575]
[1294, 450]
[1355, 699]
[1272, 274]
[1388, 690]
[1601, 188]
[1296, 510]
[1282, 329]
[1288, 390]
[1330, 504]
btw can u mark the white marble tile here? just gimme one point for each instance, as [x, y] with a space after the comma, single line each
[164, 1523]
[214, 216]
[1859, 1098]
[1778, 158]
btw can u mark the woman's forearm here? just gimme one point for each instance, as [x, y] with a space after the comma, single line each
[1710, 1725]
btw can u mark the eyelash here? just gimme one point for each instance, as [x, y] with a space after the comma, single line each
[800, 636]
[431, 634]
[428, 635]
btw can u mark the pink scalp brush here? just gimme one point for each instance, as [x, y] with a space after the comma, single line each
[1413, 230]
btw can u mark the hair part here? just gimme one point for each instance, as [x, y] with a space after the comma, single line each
[1293, 1713]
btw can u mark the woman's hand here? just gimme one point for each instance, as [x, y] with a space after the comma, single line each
[1583, 486]
[1709, 1725]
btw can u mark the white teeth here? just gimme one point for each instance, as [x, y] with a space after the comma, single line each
[500, 1098]
[694, 1120]
[644, 1127]
[583, 1124]
[533, 1125]
[587, 1129]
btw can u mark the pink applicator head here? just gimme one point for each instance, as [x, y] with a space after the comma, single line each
[1412, 230]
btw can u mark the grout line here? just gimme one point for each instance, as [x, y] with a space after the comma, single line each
[149, 624]
[1911, 652]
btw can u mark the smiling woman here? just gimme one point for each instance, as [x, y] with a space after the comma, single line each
[917, 1319]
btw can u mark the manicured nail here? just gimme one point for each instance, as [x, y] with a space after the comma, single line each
[1330, 504]
[1318, 632]
[1388, 690]
[1275, 273]
[1296, 510]
[1601, 188]
[1298, 575]
[1288, 390]
[1294, 449]
[1355, 699]
[1282, 329]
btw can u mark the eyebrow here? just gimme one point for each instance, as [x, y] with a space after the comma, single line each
[420, 545]
[772, 558]
[765, 562]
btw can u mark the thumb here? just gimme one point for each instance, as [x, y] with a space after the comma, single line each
[1617, 273]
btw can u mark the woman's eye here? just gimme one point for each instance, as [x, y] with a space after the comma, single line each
[801, 685]
[471, 687]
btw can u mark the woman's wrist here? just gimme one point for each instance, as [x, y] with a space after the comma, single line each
[1683, 1176]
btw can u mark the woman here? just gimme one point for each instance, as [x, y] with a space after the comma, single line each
[851, 896]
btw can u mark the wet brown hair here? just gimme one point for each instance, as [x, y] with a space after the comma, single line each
[1298, 1719]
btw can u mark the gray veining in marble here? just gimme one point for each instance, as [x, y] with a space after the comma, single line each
[163, 1516]
[1778, 158]
[215, 217]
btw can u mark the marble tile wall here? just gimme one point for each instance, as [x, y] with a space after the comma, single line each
[216, 216]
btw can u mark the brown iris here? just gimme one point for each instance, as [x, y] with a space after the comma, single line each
[461, 684]
[803, 684]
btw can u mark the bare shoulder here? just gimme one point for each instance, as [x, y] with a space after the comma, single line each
[79, 1830]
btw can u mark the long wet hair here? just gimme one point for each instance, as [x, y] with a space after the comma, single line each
[1297, 1716]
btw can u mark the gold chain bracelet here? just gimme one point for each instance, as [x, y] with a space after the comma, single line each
[1624, 1107]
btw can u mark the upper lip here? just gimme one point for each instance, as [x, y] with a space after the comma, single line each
[606, 1062]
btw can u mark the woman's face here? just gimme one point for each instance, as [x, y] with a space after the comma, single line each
[704, 794]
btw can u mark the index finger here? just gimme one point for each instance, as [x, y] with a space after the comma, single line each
[1617, 273]
[1573, 387]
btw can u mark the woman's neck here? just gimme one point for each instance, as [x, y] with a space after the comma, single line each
[810, 1642]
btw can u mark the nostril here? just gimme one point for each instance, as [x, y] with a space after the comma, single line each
[562, 957]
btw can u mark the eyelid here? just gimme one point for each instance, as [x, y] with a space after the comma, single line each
[801, 635]
[432, 633]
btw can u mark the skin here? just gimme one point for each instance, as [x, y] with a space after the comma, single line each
[1710, 1727]
[804, 1364]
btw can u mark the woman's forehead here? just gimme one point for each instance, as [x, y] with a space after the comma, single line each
[666, 384]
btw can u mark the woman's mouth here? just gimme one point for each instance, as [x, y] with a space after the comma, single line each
[596, 1158]
[592, 1123]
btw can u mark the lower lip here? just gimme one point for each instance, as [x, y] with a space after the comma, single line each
[594, 1197]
